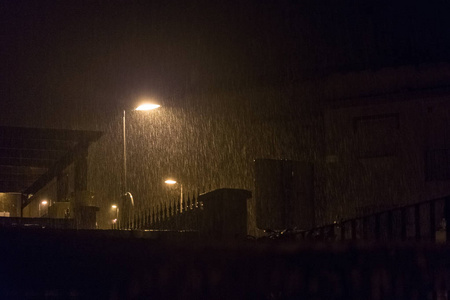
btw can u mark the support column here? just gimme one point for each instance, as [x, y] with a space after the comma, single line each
[84, 210]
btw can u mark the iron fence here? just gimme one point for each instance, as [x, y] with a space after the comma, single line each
[173, 215]
[424, 221]
[218, 213]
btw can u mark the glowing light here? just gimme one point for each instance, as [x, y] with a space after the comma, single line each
[147, 106]
[44, 202]
[114, 206]
[170, 181]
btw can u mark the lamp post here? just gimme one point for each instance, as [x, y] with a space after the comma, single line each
[125, 193]
[43, 202]
[116, 220]
[172, 182]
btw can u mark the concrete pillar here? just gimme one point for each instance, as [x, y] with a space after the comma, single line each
[83, 208]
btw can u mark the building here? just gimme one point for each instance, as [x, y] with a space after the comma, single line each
[387, 140]
[45, 171]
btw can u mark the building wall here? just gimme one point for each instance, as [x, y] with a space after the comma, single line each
[35, 208]
[49, 193]
[10, 204]
[437, 144]
[376, 154]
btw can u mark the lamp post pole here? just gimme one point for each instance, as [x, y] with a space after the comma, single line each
[124, 174]
[125, 194]
[116, 220]
[181, 197]
[44, 202]
[124, 156]
[171, 181]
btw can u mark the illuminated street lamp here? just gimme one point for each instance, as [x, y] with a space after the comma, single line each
[173, 182]
[43, 202]
[116, 220]
[127, 195]
[147, 106]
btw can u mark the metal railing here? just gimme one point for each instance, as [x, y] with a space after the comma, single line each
[216, 214]
[424, 221]
[173, 215]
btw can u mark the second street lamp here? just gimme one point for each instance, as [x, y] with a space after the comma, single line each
[127, 197]
[43, 203]
[116, 220]
[172, 182]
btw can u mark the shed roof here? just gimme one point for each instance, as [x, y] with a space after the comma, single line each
[31, 157]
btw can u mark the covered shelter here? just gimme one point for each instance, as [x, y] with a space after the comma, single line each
[50, 164]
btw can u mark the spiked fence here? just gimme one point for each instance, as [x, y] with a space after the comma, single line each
[219, 213]
[424, 221]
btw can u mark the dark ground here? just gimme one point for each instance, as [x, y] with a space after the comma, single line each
[44, 264]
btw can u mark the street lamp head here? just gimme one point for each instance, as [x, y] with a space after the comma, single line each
[44, 202]
[147, 106]
[114, 206]
[170, 181]
[128, 198]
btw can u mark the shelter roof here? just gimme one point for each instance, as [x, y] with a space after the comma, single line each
[32, 157]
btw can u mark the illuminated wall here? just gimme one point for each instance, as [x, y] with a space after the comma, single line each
[10, 204]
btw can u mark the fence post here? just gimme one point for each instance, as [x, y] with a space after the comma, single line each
[353, 224]
[417, 221]
[390, 224]
[137, 219]
[176, 216]
[364, 227]
[447, 218]
[432, 221]
[322, 233]
[403, 223]
[377, 227]
[342, 231]
[144, 218]
[197, 212]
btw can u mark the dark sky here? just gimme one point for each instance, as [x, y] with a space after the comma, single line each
[64, 59]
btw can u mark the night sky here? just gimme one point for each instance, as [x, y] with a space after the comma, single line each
[63, 63]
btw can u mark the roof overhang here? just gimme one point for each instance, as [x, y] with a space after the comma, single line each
[32, 157]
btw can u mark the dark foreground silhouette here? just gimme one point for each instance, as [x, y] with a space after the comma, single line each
[64, 264]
